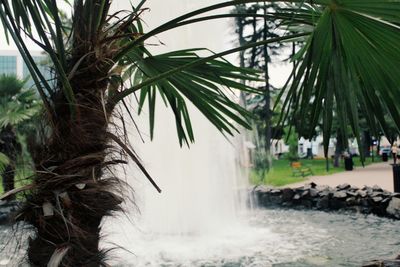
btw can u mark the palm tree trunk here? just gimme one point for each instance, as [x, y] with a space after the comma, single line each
[73, 184]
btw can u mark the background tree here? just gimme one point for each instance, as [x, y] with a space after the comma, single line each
[17, 108]
[256, 26]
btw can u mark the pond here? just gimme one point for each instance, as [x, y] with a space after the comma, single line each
[274, 237]
[277, 238]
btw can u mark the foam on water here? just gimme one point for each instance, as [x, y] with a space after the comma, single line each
[240, 243]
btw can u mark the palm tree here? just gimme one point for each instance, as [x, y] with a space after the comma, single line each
[17, 107]
[74, 187]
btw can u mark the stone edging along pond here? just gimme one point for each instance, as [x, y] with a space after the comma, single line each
[6, 208]
[366, 200]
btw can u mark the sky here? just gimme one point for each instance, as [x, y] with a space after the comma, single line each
[217, 35]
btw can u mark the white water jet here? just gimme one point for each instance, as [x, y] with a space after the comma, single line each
[199, 184]
[196, 220]
[197, 212]
[200, 195]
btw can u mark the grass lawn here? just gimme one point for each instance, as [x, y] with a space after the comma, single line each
[281, 172]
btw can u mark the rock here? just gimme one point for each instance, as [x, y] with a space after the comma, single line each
[307, 187]
[377, 188]
[376, 194]
[261, 189]
[306, 203]
[275, 191]
[325, 192]
[364, 202]
[394, 208]
[351, 201]
[263, 199]
[339, 195]
[377, 199]
[352, 194]
[362, 193]
[354, 188]
[323, 203]
[368, 200]
[386, 193]
[298, 189]
[343, 186]
[310, 185]
[322, 187]
[370, 191]
[287, 194]
[275, 200]
[337, 203]
[313, 192]
[305, 193]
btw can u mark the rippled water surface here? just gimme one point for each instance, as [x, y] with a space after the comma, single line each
[269, 238]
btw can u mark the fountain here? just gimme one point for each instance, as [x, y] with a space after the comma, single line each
[200, 219]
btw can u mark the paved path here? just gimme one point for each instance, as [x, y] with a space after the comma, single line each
[375, 174]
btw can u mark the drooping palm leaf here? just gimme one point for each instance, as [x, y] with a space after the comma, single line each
[348, 64]
[200, 85]
[123, 36]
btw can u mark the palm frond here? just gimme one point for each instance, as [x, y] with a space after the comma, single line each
[348, 64]
[4, 161]
[201, 85]
[17, 104]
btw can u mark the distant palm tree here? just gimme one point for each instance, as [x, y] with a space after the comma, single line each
[17, 107]
[74, 186]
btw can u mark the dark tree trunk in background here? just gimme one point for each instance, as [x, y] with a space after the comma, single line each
[240, 28]
[10, 147]
[267, 93]
[366, 140]
[338, 150]
[8, 178]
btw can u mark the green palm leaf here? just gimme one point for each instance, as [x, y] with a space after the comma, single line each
[349, 64]
[201, 85]
[4, 161]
